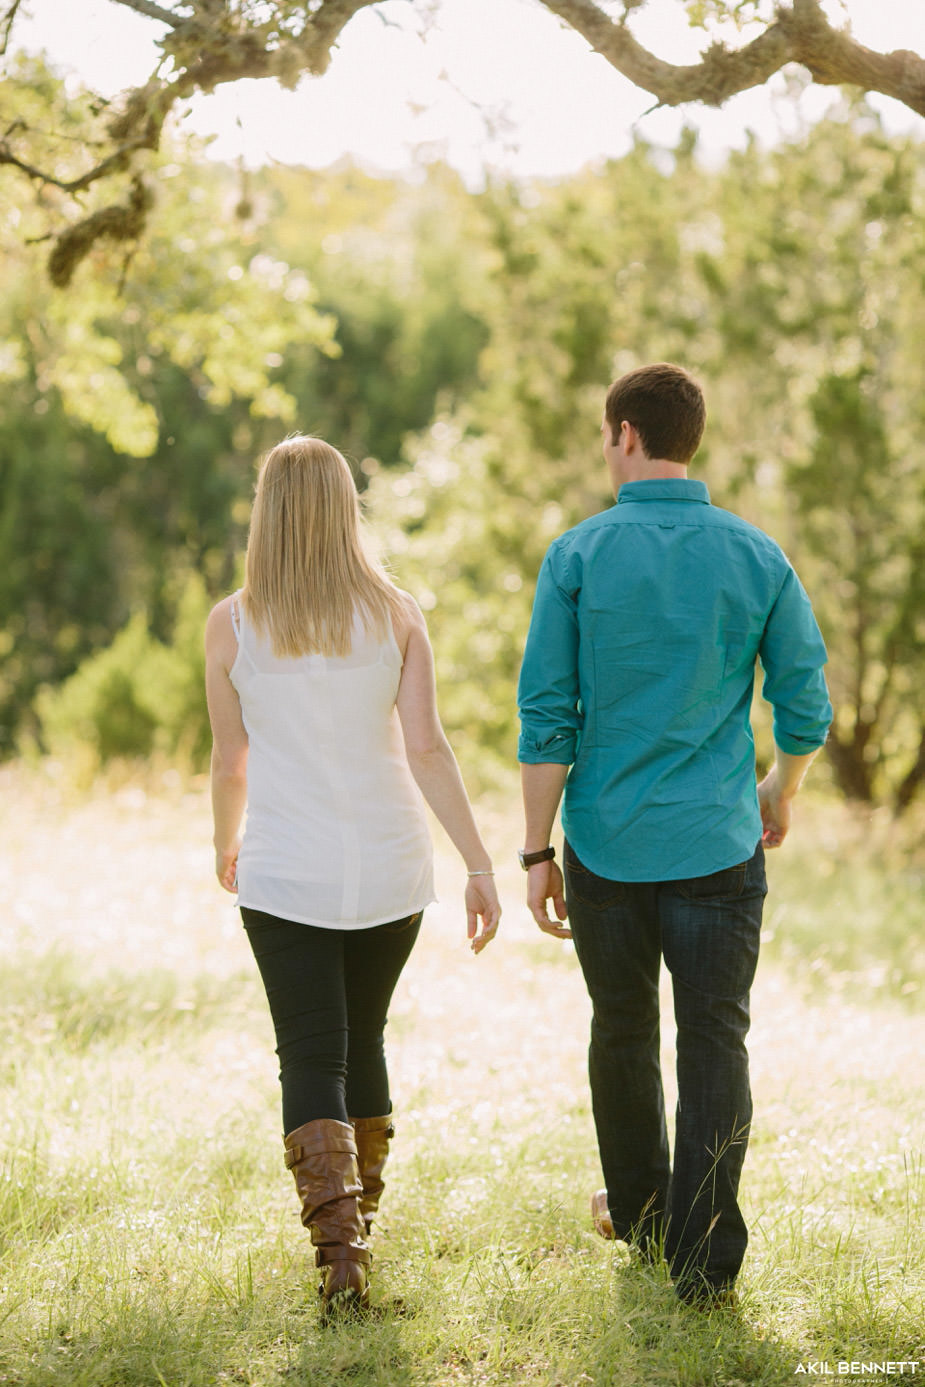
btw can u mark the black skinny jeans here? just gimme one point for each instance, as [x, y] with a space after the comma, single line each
[329, 992]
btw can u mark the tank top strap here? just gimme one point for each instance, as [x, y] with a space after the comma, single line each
[236, 615]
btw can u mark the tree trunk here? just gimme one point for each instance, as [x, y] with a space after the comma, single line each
[910, 782]
[852, 771]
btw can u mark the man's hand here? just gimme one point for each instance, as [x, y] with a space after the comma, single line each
[776, 794]
[776, 810]
[544, 883]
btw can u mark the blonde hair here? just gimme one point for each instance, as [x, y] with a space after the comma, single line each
[307, 570]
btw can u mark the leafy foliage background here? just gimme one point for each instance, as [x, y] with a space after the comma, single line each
[457, 346]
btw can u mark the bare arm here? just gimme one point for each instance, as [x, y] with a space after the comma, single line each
[229, 744]
[542, 785]
[434, 767]
[776, 793]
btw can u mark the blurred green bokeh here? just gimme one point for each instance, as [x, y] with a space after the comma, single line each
[457, 346]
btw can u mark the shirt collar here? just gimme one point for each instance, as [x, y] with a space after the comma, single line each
[665, 489]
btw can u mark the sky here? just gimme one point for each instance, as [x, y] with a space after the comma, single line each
[497, 83]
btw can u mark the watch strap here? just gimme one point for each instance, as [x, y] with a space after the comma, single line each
[532, 859]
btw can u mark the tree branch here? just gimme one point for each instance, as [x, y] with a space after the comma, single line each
[834, 58]
[122, 221]
[206, 53]
[852, 773]
[801, 34]
[911, 781]
[138, 122]
[321, 33]
[247, 52]
[114, 163]
[6, 23]
[152, 11]
[214, 42]
[720, 74]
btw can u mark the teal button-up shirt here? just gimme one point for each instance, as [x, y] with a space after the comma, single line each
[638, 673]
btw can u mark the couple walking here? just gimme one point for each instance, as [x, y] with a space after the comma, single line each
[635, 693]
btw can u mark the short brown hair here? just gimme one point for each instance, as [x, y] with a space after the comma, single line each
[664, 404]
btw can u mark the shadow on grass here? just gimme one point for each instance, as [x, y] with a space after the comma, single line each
[645, 1336]
[178, 1340]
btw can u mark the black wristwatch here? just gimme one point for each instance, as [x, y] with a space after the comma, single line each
[531, 859]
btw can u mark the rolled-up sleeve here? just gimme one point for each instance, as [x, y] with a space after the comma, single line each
[793, 656]
[548, 691]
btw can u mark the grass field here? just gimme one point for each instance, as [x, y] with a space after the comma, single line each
[148, 1229]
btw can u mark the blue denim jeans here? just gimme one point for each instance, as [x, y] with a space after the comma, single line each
[707, 930]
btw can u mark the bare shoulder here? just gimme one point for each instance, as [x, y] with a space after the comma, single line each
[408, 621]
[220, 637]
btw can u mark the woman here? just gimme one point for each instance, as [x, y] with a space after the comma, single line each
[320, 685]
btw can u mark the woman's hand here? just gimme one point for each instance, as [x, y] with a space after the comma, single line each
[226, 866]
[482, 902]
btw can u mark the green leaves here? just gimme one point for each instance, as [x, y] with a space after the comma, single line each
[197, 290]
[137, 696]
[457, 347]
[86, 370]
[702, 14]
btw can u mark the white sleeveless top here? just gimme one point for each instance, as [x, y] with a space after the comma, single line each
[336, 833]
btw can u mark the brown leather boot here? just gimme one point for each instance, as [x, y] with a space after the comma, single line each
[322, 1156]
[373, 1135]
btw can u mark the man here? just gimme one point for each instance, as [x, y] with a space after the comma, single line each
[635, 694]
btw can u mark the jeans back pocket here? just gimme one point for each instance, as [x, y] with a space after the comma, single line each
[587, 886]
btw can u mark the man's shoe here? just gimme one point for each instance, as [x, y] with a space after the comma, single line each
[600, 1215]
[700, 1295]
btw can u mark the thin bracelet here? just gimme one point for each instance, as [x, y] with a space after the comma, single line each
[480, 874]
